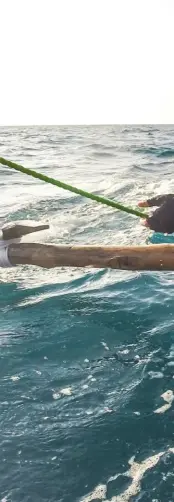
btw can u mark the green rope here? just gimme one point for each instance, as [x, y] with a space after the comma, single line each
[60, 184]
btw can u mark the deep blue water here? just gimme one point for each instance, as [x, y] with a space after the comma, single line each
[87, 356]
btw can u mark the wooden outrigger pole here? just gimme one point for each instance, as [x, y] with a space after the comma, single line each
[150, 257]
[153, 257]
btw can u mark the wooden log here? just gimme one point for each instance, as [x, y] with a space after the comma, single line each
[154, 257]
[16, 229]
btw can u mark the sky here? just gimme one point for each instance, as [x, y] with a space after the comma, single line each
[86, 62]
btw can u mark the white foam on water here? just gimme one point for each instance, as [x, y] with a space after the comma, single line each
[105, 345]
[155, 374]
[67, 391]
[168, 396]
[98, 493]
[56, 395]
[136, 472]
[171, 354]
[15, 378]
[108, 410]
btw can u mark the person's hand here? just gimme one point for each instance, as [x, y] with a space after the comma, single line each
[162, 219]
[16, 229]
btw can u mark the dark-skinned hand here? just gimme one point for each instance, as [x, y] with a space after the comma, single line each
[162, 219]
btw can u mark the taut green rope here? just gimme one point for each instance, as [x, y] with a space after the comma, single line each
[60, 184]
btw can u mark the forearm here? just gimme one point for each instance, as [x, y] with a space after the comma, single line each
[159, 200]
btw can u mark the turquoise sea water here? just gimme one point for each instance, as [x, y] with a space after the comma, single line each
[159, 238]
[87, 356]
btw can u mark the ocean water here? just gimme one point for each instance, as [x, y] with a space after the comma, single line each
[86, 356]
